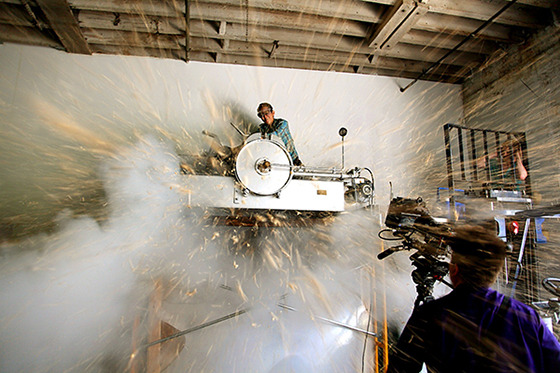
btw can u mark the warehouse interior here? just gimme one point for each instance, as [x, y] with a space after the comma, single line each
[102, 252]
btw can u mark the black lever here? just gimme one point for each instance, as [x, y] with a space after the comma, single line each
[382, 255]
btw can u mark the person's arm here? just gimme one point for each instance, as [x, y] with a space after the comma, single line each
[521, 171]
[482, 162]
[550, 349]
[262, 129]
[284, 132]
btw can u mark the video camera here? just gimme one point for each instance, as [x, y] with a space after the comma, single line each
[409, 221]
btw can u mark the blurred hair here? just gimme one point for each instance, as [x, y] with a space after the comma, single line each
[511, 145]
[263, 105]
[478, 253]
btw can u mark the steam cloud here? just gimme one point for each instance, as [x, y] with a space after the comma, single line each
[70, 299]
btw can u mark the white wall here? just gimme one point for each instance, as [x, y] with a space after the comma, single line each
[61, 113]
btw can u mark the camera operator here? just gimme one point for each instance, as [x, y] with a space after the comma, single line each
[475, 328]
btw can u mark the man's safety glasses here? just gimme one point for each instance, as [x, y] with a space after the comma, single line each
[263, 114]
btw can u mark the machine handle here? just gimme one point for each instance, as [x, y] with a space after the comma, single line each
[382, 255]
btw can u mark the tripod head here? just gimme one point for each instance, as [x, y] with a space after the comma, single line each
[409, 222]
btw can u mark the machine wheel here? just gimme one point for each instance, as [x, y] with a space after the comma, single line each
[263, 167]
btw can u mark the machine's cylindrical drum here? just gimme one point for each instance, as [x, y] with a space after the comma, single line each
[263, 166]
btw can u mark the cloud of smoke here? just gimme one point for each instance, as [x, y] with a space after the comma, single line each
[70, 298]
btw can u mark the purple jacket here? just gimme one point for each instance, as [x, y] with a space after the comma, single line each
[476, 330]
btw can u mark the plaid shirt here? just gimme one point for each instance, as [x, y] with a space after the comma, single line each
[280, 128]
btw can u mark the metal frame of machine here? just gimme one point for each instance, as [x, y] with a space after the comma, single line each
[260, 176]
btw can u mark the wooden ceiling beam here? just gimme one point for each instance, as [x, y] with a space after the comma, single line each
[395, 24]
[525, 13]
[447, 41]
[429, 54]
[169, 25]
[175, 54]
[482, 10]
[346, 9]
[214, 12]
[269, 62]
[14, 15]
[251, 60]
[62, 20]
[461, 26]
[131, 22]
[27, 35]
[236, 31]
[519, 15]
[404, 52]
[549, 4]
[167, 8]
[309, 41]
[134, 39]
[429, 22]
[536, 3]
[313, 56]
[134, 22]
[396, 14]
